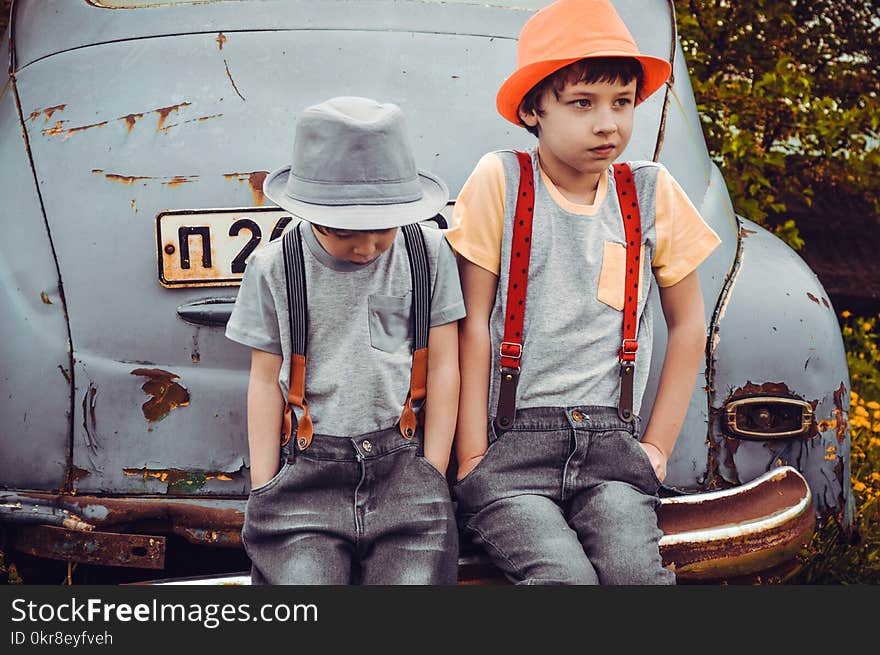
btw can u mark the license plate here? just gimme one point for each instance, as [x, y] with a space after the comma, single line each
[210, 247]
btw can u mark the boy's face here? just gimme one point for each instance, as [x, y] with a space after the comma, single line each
[359, 247]
[587, 127]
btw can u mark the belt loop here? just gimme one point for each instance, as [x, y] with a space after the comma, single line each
[287, 452]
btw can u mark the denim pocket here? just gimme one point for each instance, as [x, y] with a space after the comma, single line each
[390, 323]
[437, 474]
[478, 467]
[273, 482]
[647, 462]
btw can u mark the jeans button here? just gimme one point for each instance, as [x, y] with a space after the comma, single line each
[577, 417]
[367, 446]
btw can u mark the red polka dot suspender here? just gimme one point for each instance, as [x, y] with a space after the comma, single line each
[517, 284]
[632, 225]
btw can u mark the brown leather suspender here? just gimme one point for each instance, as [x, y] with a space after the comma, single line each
[294, 269]
[517, 284]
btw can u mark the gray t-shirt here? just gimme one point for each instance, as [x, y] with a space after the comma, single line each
[573, 320]
[359, 329]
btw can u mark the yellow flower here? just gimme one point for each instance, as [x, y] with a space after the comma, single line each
[858, 486]
[846, 313]
[873, 405]
[861, 411]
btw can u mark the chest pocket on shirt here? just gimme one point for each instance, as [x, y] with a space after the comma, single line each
[613, 273]
[390, 324]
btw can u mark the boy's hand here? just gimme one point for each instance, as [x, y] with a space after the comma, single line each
[468, 465]
[657, 457]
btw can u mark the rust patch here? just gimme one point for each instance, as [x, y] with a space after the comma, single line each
[47, 112]
[221, 39]
[221, 538]
[200, 119]
[164, 111]
[766, 389]
[139, 551]
[178, 180]
[813, 298]
[67, 133]
[79, 474]
[167, 394]
[184, 516]
[45, 298]
[841, 413]
[131, 179]
[133, 206]
[730, 448]
[831, 452]
[826, 303]
[745, 232]
[64, 372]
[82, 128]
[196, 356]
[125, 179]
[130, 120]
[178, 480]
[229, 75]
[714, 480]
[54, 131]
[255, 180]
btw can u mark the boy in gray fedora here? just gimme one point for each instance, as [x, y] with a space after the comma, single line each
[351, 318]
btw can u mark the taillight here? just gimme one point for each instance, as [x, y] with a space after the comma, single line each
[767, 417]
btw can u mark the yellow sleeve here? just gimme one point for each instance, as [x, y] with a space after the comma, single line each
[478, 216]
[683, 238]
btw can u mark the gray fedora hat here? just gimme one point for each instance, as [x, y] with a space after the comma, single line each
[353, 169]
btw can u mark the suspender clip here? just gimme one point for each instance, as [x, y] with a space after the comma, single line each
[628, 350]
[511, 350]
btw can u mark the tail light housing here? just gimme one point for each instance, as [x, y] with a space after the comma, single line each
[767, 417]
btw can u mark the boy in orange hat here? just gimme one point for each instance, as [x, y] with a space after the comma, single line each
[556, 346]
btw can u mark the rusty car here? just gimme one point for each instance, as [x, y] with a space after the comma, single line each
[136, 137]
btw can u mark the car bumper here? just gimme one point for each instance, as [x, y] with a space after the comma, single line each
[721, 535]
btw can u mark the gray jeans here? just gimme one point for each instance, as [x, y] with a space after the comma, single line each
[566, 496]
[368, 509]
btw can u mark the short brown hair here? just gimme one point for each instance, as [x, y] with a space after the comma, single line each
[323, 229]
[599, 69]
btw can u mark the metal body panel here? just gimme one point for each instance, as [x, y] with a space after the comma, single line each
[35, 377]
[777, 305]
[686, 467]
[204, 137]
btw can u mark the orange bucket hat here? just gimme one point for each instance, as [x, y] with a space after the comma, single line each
[565, 32]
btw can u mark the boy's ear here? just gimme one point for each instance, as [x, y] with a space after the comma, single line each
[529, 118]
